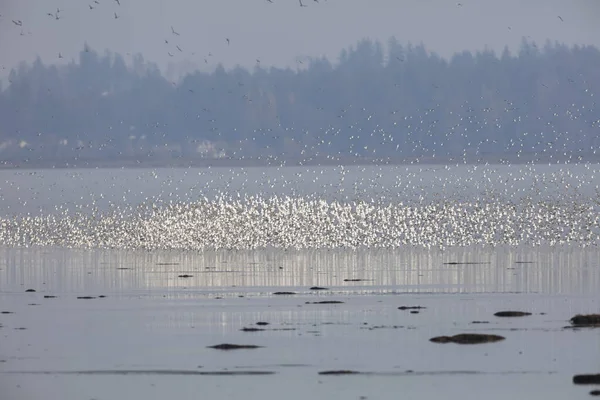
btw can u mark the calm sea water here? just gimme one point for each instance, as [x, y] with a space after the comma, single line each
[148, 337]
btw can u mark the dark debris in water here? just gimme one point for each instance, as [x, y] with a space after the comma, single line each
[587, 379]
[512, 314]
[588, 320]
[229, 346]
[339, 372]
[468, 338]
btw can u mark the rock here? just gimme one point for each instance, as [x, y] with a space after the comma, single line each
[595, 393]
[586, 320]
[262, 323]
[512, 314]
[229, 346]
[30, 291]
[318, 288]
[339, 372]
[411, 308]
[283, 293]
[587, 379]
[325, 302]
[467, 338]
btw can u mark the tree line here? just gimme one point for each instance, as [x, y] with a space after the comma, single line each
[393, 102]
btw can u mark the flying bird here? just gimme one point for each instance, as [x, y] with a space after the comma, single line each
[90, 6]
[118, 2]
[179, 48]
[302, 5]
[170, 54]
[116, 16]
[562, 20]
[227, 41]
[18, 22]
[174, 33]
[60, 55]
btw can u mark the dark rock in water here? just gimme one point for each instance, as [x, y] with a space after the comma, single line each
[252, 329]
[467, 338]
[512, 314]
[284, 293]
[586, 320]
[318, 288]
[262, 323]
[339, 372]
[595, 393]
[229, 346]
[86, 297]
[325, 302]
[587, 379]
[414, 312]
[480, 322]
[49, 297]
[411, 308]
[30, 291]
[185, 276]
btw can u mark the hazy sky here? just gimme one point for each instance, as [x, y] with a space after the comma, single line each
[277, 33]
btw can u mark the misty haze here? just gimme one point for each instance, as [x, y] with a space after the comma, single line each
[299, 199]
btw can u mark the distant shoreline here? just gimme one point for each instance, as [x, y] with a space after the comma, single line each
[309, 162]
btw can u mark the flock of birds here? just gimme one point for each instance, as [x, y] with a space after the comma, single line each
[251, 222]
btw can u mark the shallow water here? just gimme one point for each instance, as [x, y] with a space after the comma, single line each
[148, 338]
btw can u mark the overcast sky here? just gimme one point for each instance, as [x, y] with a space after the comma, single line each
[278, 33]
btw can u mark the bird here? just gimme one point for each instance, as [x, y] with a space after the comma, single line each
[60, 55]
[18, 22]
[302, 5]
[50, 15]
[179, 48]
[170, 54]
[90, 6]
[270, 1]
[118, 2]
[174, 33]
[116, 16]
[227, 39]
[562, 20]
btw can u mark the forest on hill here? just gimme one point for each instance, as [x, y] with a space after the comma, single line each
[388, 102]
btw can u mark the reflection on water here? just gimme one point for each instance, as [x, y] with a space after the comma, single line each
[554, 270]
